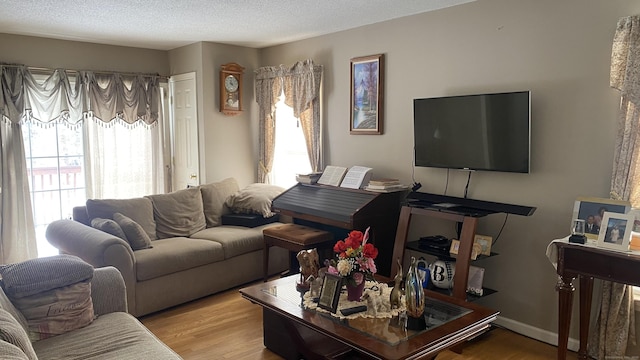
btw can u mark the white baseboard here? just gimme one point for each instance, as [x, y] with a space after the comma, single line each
[535, 333]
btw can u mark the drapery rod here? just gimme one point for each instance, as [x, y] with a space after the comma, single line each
[49, 70]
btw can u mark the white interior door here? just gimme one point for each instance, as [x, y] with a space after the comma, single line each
[184, 131]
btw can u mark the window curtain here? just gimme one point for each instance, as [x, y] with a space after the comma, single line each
[615, 324]
[126, 119]
[131, 100]
[301, 84]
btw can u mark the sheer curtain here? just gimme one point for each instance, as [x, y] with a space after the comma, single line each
[615, 324]
[301, 84]
[133, 102]
[124, 136]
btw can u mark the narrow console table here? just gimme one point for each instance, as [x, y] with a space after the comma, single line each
[587, 262]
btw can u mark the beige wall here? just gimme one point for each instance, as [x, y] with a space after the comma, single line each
[557, 49]
[49, 53]
[228, 144]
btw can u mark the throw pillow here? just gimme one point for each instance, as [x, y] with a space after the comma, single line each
[213, 198]
[109, 226]
[57, 311]
[254, 199]
[37, 275]
[12, 333]
[179, 213]
[139, 210]
[53, 293]
[136, 236]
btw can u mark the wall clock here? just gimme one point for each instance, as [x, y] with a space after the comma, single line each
[231, 89]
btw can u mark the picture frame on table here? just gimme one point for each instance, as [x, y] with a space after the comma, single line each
[592, 209]
[330, 292]
[367, 95]
[615, 231]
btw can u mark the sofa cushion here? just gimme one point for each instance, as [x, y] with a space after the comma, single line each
[109, 226]
[235, 240]
[214, 196]
[179, 213]
[138, 209]
[254, 199]
[111, 336]
[8, 306]
[135, 234]
[171, 255]
[11, 352]
[12, 332]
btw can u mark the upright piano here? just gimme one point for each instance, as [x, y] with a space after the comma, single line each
[340, 210]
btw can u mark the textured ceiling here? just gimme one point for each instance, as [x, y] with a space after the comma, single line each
[167, 24]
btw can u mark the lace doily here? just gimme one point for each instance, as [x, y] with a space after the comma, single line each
[380, 289]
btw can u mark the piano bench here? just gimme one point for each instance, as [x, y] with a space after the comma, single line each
[292, 237]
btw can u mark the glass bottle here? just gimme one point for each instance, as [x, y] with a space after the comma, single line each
[414, 292]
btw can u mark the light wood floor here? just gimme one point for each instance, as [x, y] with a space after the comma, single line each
[226, 326]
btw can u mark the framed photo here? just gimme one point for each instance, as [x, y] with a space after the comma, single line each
[485, 242]
[455, 247]
[592, 210]
[330, 292]
[615, 231]
[367, 100]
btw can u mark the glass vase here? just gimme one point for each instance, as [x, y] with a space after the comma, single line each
[414, 292]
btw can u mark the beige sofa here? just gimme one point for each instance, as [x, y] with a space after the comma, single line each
[192, 253]
[113, 334]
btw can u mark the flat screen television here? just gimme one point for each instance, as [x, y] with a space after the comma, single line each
[476, 132]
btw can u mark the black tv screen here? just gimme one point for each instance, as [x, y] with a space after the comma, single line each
[476, 132]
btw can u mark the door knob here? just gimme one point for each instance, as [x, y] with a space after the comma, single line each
[193, 176]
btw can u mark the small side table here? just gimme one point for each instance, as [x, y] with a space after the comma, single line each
[294, 238]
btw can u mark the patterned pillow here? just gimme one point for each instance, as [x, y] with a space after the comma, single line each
[57, 311]
[136, 236]
[109, 226]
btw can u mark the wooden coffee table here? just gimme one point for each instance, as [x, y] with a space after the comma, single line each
[291, 331]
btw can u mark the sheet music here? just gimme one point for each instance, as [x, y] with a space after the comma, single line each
[332, 175]
[356, 177]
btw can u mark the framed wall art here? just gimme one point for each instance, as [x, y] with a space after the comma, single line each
[615, 231]
[591, 210]
[330, 292]
[367, 100]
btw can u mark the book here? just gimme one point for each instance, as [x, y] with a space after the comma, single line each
[387, 188]
[357, 177]
[383, 182]
[332, 175]
[310, 178]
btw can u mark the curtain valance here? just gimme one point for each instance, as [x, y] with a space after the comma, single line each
[625, 58]
[64, 99]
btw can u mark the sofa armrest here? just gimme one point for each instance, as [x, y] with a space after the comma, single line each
[96, 248]
[108, 291]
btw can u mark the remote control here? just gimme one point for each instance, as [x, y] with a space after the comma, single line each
[353, 310]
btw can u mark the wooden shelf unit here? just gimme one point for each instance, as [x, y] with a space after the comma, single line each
[463, 260]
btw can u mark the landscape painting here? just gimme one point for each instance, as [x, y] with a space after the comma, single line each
[367, 95]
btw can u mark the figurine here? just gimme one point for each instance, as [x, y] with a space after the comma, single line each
[374, 301]
[396, 293]
[309, 265]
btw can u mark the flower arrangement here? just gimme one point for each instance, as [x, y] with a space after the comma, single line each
[355, 258]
